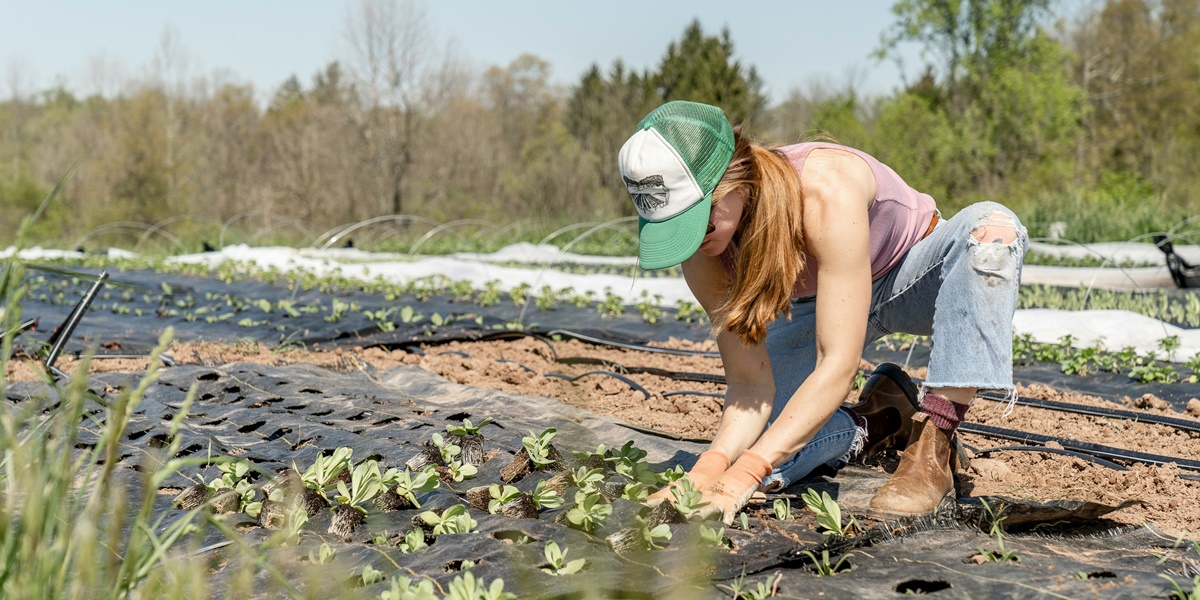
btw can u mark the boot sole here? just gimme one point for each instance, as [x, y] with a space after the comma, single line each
[946, 505]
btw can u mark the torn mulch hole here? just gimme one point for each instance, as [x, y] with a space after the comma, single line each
[915, 587]
[282, 431]
[251, 427]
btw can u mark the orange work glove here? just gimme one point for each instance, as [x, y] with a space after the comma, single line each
[733, 489]
[707, 469]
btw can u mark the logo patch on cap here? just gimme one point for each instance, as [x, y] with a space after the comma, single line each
[649, 193]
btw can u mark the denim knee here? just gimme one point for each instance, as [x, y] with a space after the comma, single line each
[830, 446]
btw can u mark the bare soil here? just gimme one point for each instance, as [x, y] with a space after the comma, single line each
[536, 367]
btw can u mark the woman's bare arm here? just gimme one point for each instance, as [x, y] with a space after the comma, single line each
[750, 387]
[838, 187]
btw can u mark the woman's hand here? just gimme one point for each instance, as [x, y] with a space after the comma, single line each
[708, 468]
[734, 488]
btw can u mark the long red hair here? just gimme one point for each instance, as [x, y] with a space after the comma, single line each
[770, 256]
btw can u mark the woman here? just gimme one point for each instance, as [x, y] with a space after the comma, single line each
[801, 256]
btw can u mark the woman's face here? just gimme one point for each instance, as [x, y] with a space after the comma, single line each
[723, 221]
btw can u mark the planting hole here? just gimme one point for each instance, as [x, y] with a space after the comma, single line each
[213, 423]
[194, 448]
[233, 389]
[303, 443]
[159, 440]
[458, 416]
[137, 434]
[455, 565]
[916, 587]
[251, 427]
[387, 421]
[512, 536]
[322, 413]
[209, 377]
[282, 431]
[1101, 575]
[311, 391]
[360, 416]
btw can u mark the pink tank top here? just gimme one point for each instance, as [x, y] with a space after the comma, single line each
[898, 218]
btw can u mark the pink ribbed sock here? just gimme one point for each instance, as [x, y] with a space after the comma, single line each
[944, 414]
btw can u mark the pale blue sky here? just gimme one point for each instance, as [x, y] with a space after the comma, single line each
[792, 43]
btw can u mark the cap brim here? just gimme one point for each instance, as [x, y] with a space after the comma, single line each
[667, 243]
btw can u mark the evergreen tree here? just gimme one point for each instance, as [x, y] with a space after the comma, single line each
[702, 69]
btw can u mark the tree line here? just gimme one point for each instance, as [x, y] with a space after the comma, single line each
[1088, 126]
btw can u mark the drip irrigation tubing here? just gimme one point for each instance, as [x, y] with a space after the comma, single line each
[676, 375]
[1182, 424]
[631, 383]
[1098, 450]
[692, 393]
[1114, 413]
[1063, 451]
[631, 346]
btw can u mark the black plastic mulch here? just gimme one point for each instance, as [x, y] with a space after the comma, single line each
[274, 416]
[194, 301]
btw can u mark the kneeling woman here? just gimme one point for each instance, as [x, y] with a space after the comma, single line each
[802, 255]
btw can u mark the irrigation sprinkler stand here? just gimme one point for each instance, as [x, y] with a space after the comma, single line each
[62, 334]
[59, 338]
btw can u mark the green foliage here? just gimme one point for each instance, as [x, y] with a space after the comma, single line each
[652, 538]
[828, 513]
[501, 495]
[587, 480]
[366, 482]
[701, 68]
[589, 511]
[413, 540]
[762, 589]
[628, 462]
[371, 575]
[467, 587]
[460, 471]
[544, 497]
[782, 509]
[409, 485]
[714, 537]
[402, 587]
[323, 556]
[538, 447]
[448, 450]
[455, 519]
[824, 565]
[468, 428]
[997, 532]
[557, 562]
[686, 498]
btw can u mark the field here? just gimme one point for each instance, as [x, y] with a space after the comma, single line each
[290, 424]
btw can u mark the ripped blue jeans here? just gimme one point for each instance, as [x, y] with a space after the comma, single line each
[958, 289]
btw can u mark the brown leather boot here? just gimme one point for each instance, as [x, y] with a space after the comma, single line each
[888, 401]
[924, 477]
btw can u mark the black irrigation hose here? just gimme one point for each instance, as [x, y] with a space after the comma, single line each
[1097, 450]
[1113, 413]
[631, 383]
[676, 375]
[693, 393]
[513, 362]
[628, 346]
[1063, 451]
[500, 335]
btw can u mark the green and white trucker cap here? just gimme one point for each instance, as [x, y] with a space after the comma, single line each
[671, 166]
